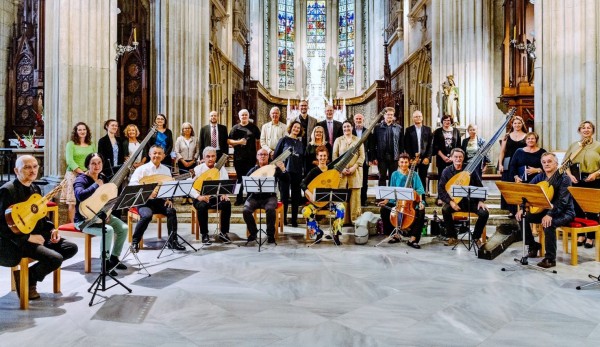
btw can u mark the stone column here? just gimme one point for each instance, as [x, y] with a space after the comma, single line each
[8, 11]
[80, 73]
[566, 69]
[181, 42]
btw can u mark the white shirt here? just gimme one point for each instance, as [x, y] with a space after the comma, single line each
[418, 130]
[202, 168]
[147, 169]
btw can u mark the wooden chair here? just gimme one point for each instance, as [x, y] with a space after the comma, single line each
[574, 229]
[196, 226]
[278, 218]
[462, 217]
[134, 216]
[24, 281]
[72, 231]
[53, 208]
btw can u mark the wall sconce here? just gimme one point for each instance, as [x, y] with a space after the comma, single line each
[121, 49]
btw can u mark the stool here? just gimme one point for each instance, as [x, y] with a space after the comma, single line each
[463, 217]
[578, 226]
[71, 230]
[134, 216]
[24, 279]
[278, 219]
[52, 207]
[196, 226]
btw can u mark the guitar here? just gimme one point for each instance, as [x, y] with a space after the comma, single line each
[210, 174]
[463, 178]
[269, 169]
[331, 178]
[23, 217]
[90, 206]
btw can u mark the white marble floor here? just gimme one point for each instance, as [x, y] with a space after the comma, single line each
[291, 295]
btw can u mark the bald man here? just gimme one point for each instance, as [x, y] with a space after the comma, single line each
[43, 244]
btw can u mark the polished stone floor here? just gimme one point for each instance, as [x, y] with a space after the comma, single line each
[292, 295]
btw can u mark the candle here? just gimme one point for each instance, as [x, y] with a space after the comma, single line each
[515, 33]
[134, 35]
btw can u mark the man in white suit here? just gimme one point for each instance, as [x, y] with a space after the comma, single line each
[272, 131]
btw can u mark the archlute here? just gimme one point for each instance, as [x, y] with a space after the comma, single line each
[463, 178]
[331, 178]
[110, 190]
[210, 174]
[23, 217]
[269, 169]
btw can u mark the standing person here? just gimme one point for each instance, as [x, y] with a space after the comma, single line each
[131, 144]
[526, 162]
[272, 131]
[585, 170]
[387, 144]
[352, 173]
[308, 122]
[514, 140]
[244, 138]
[399, 178]
[154, 205]
[333, 128]
[561, 213]
[450, 206]
[294, 166]
[85, 186]
[418, 138]
[266, 201]
[445, 139]
[471, 145]
[163, 137]
[203, 203]
[317, 139]
[360, 130]
[43, 244]
[186, 148]
[77, 149]
[214, 135]
[110, 148]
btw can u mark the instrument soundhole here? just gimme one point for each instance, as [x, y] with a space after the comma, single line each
[34, 208]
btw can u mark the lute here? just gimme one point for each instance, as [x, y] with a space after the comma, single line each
[269, 169]
[210, 174]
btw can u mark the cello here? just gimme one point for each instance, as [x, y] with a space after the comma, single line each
[403, 215]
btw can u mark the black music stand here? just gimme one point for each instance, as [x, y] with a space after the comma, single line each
[526, 196]
[217, 189]
[170, 190]
[330, 196]
[395, 193]
[259, 185]
[469, 192]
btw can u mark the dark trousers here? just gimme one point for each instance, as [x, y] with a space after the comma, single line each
[386, 167]
[415, 228]
[202, 208]
[365, 184]
[549, 233]
[146, 211]
[241, 169]
[284, 187]
[422, 170]
[49, 256]
[482, 217]
[269, 205]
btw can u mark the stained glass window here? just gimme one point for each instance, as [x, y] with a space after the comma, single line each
[316, 18]
[267, 46]
[285, 44]
[346, 49]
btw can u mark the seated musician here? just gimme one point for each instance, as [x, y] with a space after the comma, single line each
[457, 156]
[309, 211]
[154, 205]
[43, 244]
[398, 179]
[85, 185]
[203, 203]
[266, 201]
[561, 213]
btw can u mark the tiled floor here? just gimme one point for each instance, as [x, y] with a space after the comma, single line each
[292, 295]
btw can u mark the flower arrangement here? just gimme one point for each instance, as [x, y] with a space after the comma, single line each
[27, 141]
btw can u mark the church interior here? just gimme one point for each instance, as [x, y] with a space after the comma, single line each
[197, 66]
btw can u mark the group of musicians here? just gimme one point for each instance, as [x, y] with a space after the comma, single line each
[389, 148]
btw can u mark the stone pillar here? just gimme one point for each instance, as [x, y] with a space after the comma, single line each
[181, 43]
[80, 73]
[566, 69]
[8, 10]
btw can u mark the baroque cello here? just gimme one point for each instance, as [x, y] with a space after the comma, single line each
[403, 216]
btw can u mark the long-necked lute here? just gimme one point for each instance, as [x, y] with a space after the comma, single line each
[210, 174]
[110, 190]
[23, 217]
[547, 185]
[331, 178]
[463, 178]
[269, 169]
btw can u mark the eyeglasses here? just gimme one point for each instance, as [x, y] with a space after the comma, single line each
[262, 154]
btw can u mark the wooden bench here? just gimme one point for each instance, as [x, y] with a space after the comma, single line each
[72, 231]
[24, 281]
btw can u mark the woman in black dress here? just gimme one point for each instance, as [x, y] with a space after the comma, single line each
[514, 140]
[526, 162]
[445, 139]
[294, 165]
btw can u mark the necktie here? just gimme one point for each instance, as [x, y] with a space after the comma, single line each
[213, 140]
[330, 130]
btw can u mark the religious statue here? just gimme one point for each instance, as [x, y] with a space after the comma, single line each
[450, 99]
[530, 49]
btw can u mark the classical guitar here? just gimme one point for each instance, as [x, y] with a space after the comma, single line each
[269, 169]
[211, 174]
[23, 217]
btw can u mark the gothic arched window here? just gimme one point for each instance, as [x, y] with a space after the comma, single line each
[285, 44]
[316, 41]
[346, 44]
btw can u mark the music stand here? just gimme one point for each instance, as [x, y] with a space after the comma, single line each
[330, 196]
[259, 185]
[587, 199]
[394, 193]
[218, 188]
[170, 190]
[469, 192]
[526, 196]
